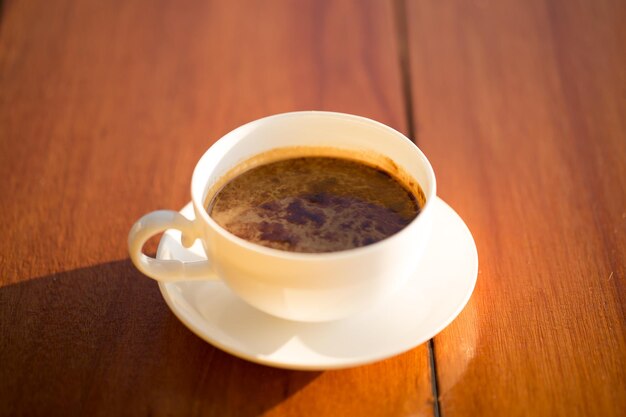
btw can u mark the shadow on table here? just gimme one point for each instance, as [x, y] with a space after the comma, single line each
[101, 341]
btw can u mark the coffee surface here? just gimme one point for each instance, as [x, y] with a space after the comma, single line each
[313, 204]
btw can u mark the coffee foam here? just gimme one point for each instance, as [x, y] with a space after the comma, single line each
[370, 158]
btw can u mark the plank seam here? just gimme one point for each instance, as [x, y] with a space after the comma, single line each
[405, 69]
[402, 35]
[433, 377]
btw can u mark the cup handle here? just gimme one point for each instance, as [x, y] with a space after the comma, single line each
[160, 269]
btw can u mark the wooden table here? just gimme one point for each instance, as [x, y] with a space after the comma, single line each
[520, 105]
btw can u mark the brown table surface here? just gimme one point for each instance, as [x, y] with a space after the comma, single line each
[105, 106]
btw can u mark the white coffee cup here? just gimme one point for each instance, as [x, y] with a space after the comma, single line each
[290, 285]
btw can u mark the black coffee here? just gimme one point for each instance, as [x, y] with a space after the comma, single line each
[314, 204]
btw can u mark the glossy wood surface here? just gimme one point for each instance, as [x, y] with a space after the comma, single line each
[521, 109]
[106, 106]
[104, 109]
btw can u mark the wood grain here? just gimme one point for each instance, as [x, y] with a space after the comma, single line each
[104, 109]
[520, 107]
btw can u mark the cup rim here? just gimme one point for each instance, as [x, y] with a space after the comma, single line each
[198, 202]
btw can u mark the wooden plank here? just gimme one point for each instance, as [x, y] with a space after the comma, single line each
[520, 107]
[105, 107]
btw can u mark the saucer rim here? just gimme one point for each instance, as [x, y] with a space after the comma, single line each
[343, 363]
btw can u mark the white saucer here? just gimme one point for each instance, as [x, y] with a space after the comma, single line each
[413, 315]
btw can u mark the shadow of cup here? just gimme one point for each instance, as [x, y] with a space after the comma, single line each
[101, 337]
